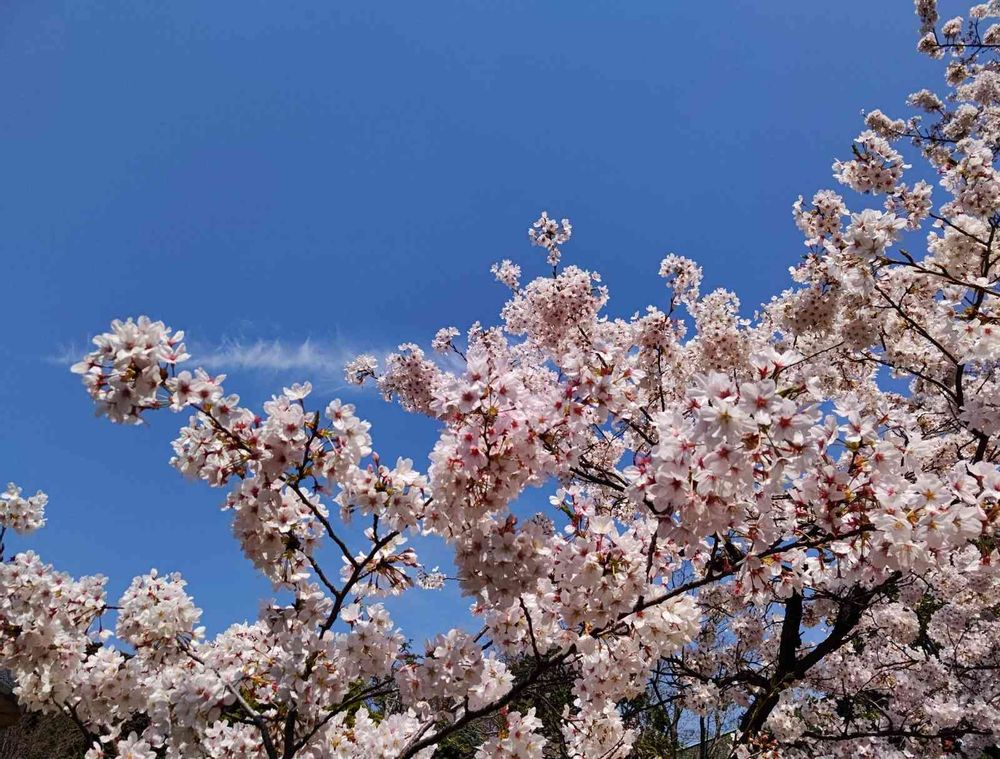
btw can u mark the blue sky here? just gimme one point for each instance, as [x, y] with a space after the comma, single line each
[295, 183]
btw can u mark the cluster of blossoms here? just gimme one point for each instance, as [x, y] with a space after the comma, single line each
[45, 617]
[750, 524]
[599, 732]
[519, 739]
[157, 613]
[22, 515]
[360, 368]
[127, 370]
[876, 167]
[683, 277]
[508, 273]
[550, 310]
[496, 557]
[452, 670]
[550, 234]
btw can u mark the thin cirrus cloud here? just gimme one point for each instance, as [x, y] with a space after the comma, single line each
[318, 361]
[314, 360]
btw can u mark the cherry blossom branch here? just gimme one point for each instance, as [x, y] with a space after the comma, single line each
[254, 716]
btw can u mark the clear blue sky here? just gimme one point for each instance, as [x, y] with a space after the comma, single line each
[339, 176]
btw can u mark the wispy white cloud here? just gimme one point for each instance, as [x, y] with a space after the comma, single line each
[272, 355]
[67, 355]
[275, 356]
[320, 362]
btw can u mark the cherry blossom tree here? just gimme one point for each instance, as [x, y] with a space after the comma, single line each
[789, 519]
